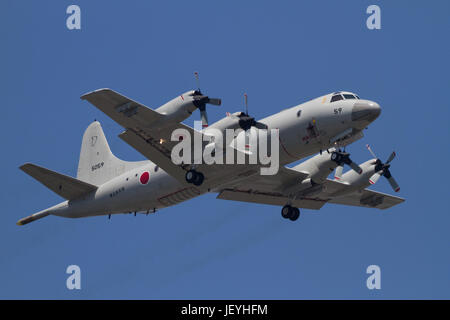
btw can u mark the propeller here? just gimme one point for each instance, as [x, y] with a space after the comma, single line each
[200, 101]
[382, 169]
[341, 158]
[246, 121]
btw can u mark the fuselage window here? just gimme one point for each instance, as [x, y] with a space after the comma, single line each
[299, 112]
[336, 98]
[156, 168]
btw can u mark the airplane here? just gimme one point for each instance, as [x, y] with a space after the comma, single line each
[107, 185]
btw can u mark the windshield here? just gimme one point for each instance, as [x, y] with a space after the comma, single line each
[336, 97]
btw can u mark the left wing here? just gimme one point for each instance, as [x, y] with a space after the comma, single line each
[150, 132]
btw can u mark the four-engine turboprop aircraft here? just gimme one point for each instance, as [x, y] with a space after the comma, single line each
[106, 185]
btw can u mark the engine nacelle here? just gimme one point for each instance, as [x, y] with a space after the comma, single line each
[179, 108]
[318, 167]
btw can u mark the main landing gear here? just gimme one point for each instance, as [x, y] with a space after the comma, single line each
[289, 212]
[194, 177]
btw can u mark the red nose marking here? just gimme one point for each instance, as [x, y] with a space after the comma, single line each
[145, 177]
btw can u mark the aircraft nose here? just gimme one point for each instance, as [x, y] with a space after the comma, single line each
[365, 111]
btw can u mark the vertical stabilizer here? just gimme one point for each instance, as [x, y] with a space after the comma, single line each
[97, 164]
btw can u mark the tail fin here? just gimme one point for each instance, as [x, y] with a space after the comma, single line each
[97, 164]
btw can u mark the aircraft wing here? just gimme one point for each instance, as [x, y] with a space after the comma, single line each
[271, 190]
[276, 199]
[150, 133]
[343, 193]
[368, 198]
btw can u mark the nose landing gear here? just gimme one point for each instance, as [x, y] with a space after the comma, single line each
[194, 177]
[289, 212]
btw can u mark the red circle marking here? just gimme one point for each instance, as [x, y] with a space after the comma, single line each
[144, 177]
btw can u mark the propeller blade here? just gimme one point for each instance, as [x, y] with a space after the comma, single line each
[355, 167]
[204, 117]
[215, 101]
[370, 150]
[373, 179]
[246, 103]
[197, 80]
[338, 173]
[346, 159]
[394, 184]
[390, 178]
[260, 125]
[391, 157]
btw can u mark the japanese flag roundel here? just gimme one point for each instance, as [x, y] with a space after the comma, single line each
[144, 177]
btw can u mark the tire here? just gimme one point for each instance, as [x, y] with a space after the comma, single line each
[294, 214]
[335, 156]
[286, 211]
[199, 177]
[190, 176]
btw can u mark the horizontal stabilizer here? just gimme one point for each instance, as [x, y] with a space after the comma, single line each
[67, 187]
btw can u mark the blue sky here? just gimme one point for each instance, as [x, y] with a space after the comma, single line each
[281, 53]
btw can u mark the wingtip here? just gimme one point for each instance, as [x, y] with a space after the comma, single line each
[87, 94]
[25, 165]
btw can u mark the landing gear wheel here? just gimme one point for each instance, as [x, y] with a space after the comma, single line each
[336, 157]
[294, 214]
[190, 176]
[194, 177]
[199, 177]
[286, 211]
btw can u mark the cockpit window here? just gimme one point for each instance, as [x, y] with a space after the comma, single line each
[336, 97]
[356, 97]
[349, 96]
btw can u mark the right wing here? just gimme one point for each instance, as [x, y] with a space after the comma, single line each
[368, 198]
[269, 198]
[269, 189]
[272, 190]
